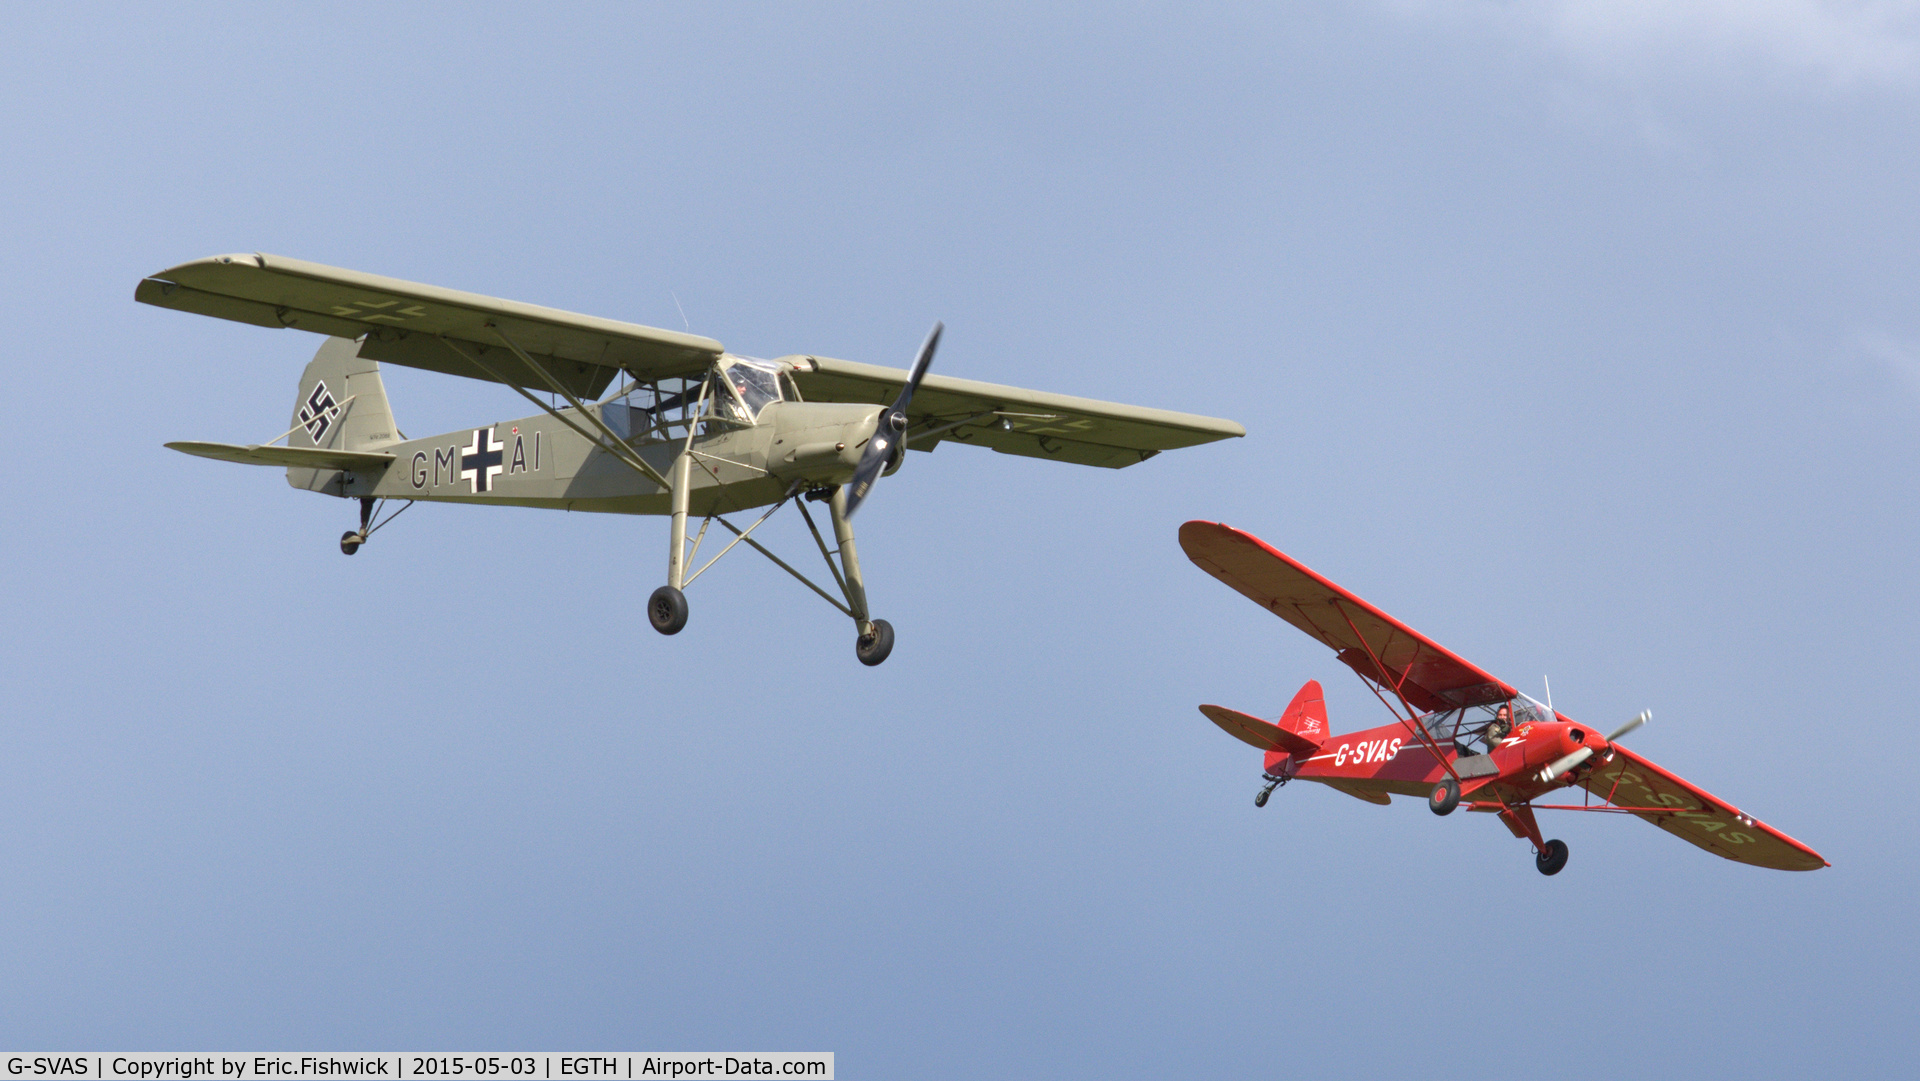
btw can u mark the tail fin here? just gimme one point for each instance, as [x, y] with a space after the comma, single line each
[1306, 721]
[1306, 715]
[1301, 731]
[342, 406]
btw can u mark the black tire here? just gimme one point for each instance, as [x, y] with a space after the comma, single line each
[874, 648]
[1553, 859]
[667, 610]
[350, 542]
[1261, 799]
[1444, 797]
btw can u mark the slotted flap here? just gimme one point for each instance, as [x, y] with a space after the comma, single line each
[404, 321]
[1013, 420]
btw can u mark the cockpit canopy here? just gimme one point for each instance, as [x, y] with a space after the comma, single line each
[1473, 728]
[733, 393]
[755, 384]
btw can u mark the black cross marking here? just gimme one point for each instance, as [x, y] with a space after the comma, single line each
[480, 462]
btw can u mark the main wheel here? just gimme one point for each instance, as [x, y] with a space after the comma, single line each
[1260, 800]
[1444, 797]
[873, 648]
[667, 610]
[350, 542]
[1554, 858]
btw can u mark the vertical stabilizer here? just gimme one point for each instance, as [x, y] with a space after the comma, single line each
[342, 405]
[1306, 718]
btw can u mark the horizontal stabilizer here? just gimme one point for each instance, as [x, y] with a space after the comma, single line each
[1262, 734]
[299, 457]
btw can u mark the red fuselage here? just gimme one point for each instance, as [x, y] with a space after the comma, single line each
[1396, 759]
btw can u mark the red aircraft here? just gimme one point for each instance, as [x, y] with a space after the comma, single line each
[1466, 736]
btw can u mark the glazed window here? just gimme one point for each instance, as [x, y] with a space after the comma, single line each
[756, 382]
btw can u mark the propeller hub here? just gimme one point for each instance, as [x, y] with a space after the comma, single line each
[882, 455]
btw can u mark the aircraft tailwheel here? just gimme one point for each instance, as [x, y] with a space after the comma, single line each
[873, 648]
[1551, 859]
[350, 542]
[1444, 797]
[667, 610]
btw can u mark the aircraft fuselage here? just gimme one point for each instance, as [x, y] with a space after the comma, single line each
[539, 461]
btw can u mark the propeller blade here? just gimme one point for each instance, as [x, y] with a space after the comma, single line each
[1566, 763]
[920, 365]
[1645, 716]
[892, 427]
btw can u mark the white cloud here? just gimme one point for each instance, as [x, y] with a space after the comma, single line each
[1844, 43]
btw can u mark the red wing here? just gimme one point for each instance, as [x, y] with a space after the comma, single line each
[1691, 814]
[1428, 675]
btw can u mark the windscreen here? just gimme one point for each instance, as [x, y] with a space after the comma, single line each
[756, 381]
[1471, 730]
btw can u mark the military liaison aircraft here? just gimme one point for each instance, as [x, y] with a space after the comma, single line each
[1465, 735]
[689, 431]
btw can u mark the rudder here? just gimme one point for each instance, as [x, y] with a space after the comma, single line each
[1306, 719]
[342, 405]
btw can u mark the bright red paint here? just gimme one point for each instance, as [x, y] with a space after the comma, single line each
[1445, 698]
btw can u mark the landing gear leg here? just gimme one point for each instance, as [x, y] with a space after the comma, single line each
[1548, 856]
[1272, 783]
[874, 639]
[667, 608]
[351, 540]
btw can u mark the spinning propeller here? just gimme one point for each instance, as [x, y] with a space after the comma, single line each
[890, 434]
[1567, 762]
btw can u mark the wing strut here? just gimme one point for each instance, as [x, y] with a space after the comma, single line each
[580, 407]
[783, 565]
[1412, 725]
[620, 449]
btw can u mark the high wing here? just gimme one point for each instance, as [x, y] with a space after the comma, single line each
[298, 457]
[1012, 420]
[1632, 783]
[1410, 664]
[404, 322]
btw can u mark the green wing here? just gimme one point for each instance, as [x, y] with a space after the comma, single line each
[1013, 420]
[403, 322]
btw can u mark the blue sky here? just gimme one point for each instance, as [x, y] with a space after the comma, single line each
[1581, 337]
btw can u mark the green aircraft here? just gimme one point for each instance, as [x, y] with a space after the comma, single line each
[690, 430]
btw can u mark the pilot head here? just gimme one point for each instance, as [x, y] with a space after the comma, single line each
[1502, 724]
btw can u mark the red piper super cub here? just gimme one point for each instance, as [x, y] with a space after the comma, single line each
[1466, 739]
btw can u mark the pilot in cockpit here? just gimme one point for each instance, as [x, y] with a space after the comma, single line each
[757, 383]
[1500, 727]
